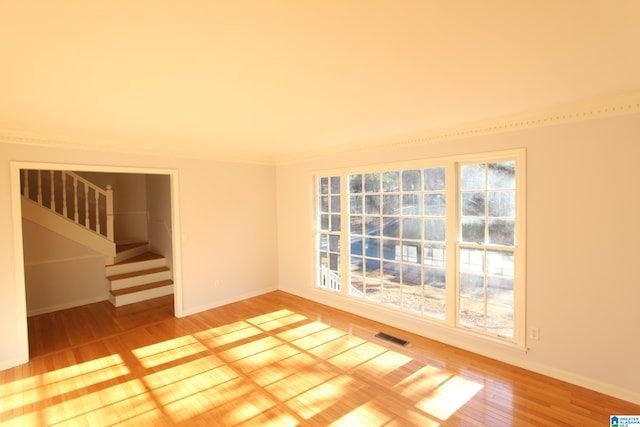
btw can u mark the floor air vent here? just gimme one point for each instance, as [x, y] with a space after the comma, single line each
[392, 338]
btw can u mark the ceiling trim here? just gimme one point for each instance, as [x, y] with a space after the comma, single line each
[547, 118]
[477, 129]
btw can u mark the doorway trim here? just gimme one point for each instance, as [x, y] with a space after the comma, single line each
[18, 245]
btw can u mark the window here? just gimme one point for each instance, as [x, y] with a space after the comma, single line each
[442, 240]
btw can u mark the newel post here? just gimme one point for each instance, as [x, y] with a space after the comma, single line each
[110, 213]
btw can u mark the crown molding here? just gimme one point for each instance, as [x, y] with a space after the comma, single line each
[93, 145]
[534, 120]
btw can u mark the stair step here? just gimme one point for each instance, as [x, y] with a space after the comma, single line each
[139, 288]
[137, 273]
[145, 261]
[141, 293]
[135, 278]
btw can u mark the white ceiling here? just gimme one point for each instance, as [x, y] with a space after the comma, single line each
[276, 79]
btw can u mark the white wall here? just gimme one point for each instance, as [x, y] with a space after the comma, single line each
[583, 227]
[59, 273]
[227, 216]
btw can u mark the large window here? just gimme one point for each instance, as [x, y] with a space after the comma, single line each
[442, 239]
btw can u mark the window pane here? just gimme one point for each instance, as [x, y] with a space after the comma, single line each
[472, 260]
[334, 243]
[335, 203]
[502, 232]
[502, 175]
[391, 249]
[390, 204]
[372, 183]
[434, 204]
[323, 242]
[324, 222]
[324, 204]
[372, 225]
[355, 224]
[472, 309]
[372, 247]
[434, 179]
[372, 204]
[500, 305]
[356, 246]
[411, 204]
[411, 228]
[335, 185]
[434, 255]
[472, 177]
[434, 229]
[335, 223]
[323, 185]
[412, 288]
[434, 293]
[500, 263]
[473, 230]
[502, 203]
[355, 183]
[391, 288]
[391, 227]
[473, 204]
[390, 181]
[411, 180]
[355, 204]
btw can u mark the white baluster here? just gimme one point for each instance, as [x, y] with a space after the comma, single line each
[86, 204]
[26, 183]
[64, 194]
[53, 192]
[76, 216]
[109, 209]
[97, 211]
[39, 187]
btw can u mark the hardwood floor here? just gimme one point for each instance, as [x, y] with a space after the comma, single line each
[270, 360]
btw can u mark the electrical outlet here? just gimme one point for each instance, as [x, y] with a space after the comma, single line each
[534, 333]
[216, 283]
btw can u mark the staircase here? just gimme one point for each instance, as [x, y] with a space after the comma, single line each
[69, 205]
[137, 275]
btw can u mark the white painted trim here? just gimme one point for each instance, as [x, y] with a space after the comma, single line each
[236, 298]
[66, 305]
[18, 265]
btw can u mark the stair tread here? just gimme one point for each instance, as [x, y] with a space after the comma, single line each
[137, 273]
[147, 256]
[139, 288]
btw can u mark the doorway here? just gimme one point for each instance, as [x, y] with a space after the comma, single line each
[163, 181]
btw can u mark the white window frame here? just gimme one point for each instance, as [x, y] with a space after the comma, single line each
[452, 170]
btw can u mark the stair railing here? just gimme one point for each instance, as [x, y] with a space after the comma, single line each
[71, 196]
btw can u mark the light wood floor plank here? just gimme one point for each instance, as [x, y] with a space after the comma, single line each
[271, 360]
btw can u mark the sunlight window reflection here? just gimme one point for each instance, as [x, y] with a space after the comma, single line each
[323, 396]
[302, 331]
[61, 381]
[167, 351]
[422, 381]
[449, 397]
[227, 334]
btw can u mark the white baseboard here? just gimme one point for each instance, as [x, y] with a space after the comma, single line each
[220, 303]
[66, 305]
[504, 354]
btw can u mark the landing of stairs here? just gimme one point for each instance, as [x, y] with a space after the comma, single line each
[121, 247]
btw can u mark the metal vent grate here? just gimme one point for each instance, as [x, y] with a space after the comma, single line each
[391, 338]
